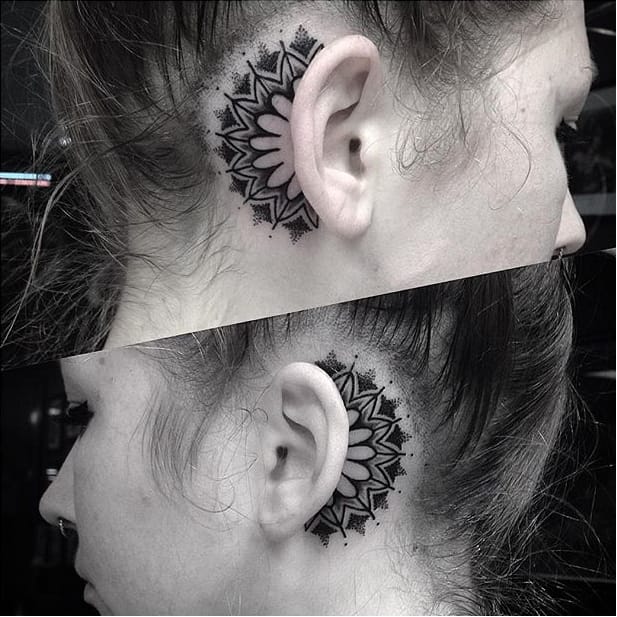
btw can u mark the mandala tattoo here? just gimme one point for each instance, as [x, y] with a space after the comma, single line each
[373, 457]
[256, 136]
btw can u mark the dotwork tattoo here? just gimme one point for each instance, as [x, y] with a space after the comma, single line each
[373, 457]
[256, 136]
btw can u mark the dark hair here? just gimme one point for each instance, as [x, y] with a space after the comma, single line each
[133, 150]
[504, 379]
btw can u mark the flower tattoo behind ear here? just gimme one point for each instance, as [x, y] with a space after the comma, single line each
[256, 136]
[373, 456]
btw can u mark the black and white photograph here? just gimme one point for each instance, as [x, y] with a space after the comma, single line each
[308, 307]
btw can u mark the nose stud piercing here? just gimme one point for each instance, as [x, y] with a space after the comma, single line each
[62, 527]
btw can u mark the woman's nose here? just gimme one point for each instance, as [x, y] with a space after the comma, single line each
[57, 501]
[571, 234]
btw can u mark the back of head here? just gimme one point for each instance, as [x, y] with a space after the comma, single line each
[474, 375]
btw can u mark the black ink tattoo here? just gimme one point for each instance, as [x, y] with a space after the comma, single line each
[256, 136]
[373, 457]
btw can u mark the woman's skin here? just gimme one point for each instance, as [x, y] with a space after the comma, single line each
[495, 199]
[234, 541]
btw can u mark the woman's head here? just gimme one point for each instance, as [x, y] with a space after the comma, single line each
[305, 153]
[299, 463]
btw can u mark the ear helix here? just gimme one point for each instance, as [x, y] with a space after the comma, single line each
[311, 417]
[338, 195]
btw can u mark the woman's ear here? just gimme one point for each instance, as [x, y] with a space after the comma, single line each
[304, 441]
[335, 115]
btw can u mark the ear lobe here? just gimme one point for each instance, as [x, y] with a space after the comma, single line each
[305, 445]
[333, 117]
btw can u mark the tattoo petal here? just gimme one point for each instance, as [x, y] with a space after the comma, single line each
[268, 160]
[273, 124]
[353, 415]
[293, 188]
[356, 471]
[374, 454]
[280, 176]
[265, 143]
[346, 488]
[359, 435]
[256, 135]
[360, 453]
[283, 105]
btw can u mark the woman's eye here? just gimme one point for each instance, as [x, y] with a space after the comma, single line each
[77, 415]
